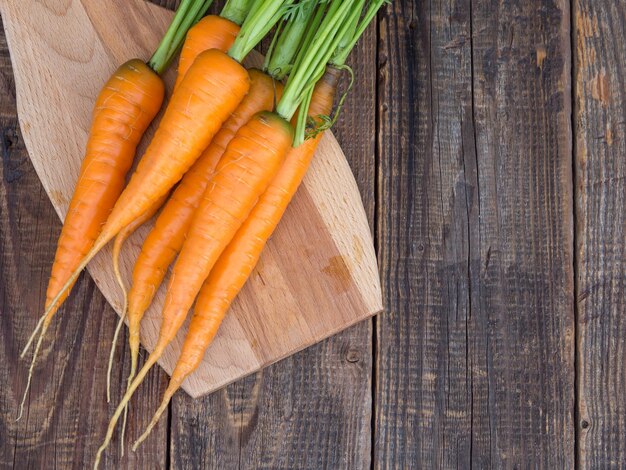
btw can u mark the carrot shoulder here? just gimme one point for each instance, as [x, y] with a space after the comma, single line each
[211, 32]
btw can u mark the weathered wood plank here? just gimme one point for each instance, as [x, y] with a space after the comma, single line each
[311, 410]
[67, 411]
[475, 357]
[600, 168]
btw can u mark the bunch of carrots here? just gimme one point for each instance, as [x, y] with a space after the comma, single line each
[236, 142]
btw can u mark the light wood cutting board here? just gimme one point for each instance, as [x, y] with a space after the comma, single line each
[318, 274]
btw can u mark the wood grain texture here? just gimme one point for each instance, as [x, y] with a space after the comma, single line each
[313, 409]
[475, 356]
[600, 166]
[286, 305]
[66, 412]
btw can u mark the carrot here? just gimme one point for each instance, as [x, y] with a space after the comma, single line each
[237, 261]
[124, 108]
[249, 164]
[166, 239]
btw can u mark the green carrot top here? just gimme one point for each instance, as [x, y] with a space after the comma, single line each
[333, 32]
[262, 17]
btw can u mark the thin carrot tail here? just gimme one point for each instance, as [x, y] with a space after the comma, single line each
[118, 328]
[131, 376]
[167, 396]
[152, 359]
[117, 246]
[123, 433]
[31, 368]
[120, 323]
[46, 318]
[32, 336]
[133, 342]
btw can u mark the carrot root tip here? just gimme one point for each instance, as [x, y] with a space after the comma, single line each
[30, 372]
[32, 336]
[123, 433]
[118, 328]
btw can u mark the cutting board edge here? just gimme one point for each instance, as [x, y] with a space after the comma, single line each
[288, 354]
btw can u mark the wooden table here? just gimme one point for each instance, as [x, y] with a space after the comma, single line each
[489, 141]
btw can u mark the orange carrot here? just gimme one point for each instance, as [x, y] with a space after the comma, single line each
[124, 108]
[166, 238]
[236, 263]
[127, 104]
[211, 32]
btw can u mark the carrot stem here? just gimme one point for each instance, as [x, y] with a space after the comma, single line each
[312, 61]
[236, 10]
[262, 17]
[286, 42]
[345, 39]
[343, 51]
[313, 28]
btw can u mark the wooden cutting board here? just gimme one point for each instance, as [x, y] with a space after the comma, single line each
[318, 274]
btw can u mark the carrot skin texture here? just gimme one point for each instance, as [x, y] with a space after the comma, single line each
[249, 164]
[126, 105]
[211, 32]
[166, 238]
[211, 90]
[238, 260]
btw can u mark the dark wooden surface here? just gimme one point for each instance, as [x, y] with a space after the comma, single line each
[488, 140]
[600, 198]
